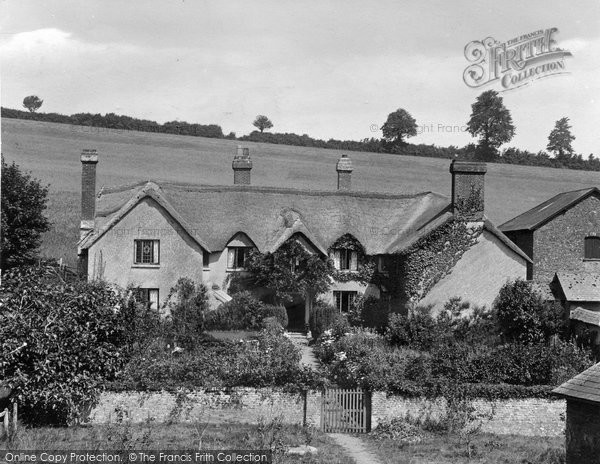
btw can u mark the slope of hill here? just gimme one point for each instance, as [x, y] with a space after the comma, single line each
[51, 151]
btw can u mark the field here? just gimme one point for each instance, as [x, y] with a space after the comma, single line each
[51, 152]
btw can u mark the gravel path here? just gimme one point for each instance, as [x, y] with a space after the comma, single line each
[355, 448]
[308, 357]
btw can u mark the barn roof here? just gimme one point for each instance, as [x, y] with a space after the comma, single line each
[585, 386]
[383, 223]
[585, 315]
[579, 286]
[546, 211]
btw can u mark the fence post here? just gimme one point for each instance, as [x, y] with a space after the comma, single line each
[15, 417]
[305, 394]
[6, 421]
[368, 395]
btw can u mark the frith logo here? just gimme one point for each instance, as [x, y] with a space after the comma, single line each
[516, 62]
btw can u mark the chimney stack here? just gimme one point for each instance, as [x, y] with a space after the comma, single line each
[468, 189]
[89, 159]
[242, 165]
[344, 170]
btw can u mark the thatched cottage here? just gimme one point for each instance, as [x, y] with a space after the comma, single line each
[421, 247]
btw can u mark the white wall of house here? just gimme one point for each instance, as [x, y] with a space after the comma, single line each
[111, 258]
[479, 274]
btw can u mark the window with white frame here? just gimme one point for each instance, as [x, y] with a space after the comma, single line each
[148, 297]
[345, 260]
[343, 300]
[146, 251]
[236, 257]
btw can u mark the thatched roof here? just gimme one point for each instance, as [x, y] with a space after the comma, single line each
[546, 211]
[212, 215]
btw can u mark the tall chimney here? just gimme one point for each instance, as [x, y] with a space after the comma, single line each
[468, 198]
[89, 159]
[344, 170]
[242, 165]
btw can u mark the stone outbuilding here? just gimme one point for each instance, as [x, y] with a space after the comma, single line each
[582, 393]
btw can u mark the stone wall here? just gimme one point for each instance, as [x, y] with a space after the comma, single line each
[558, 245]
[247, 405]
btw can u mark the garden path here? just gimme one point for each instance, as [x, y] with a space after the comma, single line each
[308, 357]
[355, 448]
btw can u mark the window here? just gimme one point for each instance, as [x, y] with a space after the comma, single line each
[592, 248]
[146, 251]
[148, 297]
[382, 264]
[343, 300]
[345, 260]
[236, 257]
[205, 259]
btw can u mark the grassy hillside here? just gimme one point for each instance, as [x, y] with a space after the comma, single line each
[51, 151]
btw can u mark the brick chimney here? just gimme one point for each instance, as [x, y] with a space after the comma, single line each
[468, 189]
[344, 170]
[242, 165]
[89, 159]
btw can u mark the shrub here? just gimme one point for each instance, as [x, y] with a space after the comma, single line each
[322, 317]
[241, 313]
[187, 303]
[369, 312]
[278, 312]
[58, 342]
[419, 330]
[524, 317]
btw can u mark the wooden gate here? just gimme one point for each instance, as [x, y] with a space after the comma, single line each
[346, 411]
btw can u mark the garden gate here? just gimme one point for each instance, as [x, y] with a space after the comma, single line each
[344, 410]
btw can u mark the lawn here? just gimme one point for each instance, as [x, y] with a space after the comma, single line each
[189, 436]
[484, 449]
[51, 151]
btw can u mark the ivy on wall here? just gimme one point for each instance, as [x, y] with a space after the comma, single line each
[366, 264]
[432, 257]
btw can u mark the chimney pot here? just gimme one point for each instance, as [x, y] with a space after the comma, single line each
[242, 165]
[468, 188]
[344, 170]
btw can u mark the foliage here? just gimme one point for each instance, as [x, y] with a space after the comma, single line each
[322, 317]
[270, 359]
[523, 316]
[32, 103]
[23, 204]
[559, 140]
[290, 270]
[187, 304]
[491, 122]
[243, 312]
[369, 312]
[262, 122]
[59, 341]
[399, 124]
[398, 429]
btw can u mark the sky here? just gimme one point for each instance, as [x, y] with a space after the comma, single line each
[330, 69]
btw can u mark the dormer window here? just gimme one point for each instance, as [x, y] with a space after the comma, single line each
[236, 257]
[345, 260]
[592, 248]
[238, 250]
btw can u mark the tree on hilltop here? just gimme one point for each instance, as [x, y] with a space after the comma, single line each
[492, 123]
[559, 140]
[32, 103]
[262, 122]
[399, 124]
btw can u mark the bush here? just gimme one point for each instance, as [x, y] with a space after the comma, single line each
[369, 312]
[187, 303]
[59, 342]
[278, 312]
[322, 317]
[243, 312]
[418, 330]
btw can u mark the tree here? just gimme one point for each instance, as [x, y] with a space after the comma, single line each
[262, 122]
[492, 123]
[559, 140]
[32, 103]
[59, 342]
[290, 270]
[23, 203]
[399, 124]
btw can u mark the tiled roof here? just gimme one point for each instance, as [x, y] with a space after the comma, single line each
[585, 386]
[585, 315]
[579, 287]
[544, 212]
[382, 223]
